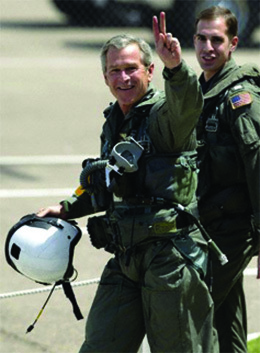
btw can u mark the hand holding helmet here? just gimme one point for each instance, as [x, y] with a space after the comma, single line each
[53, 211]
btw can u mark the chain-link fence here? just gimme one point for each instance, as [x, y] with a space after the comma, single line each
[181, 15]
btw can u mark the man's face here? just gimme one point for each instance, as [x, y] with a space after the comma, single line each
[212, 45]
[126, 75]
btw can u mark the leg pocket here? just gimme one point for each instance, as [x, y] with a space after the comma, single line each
[115, 322]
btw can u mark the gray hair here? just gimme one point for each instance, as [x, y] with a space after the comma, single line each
[123, 40]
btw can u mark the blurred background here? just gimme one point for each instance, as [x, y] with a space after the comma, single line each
[138, 13]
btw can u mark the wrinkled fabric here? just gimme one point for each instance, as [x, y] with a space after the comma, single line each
[158, 294]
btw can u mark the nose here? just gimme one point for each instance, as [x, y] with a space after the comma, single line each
[208, 45]
[124, 75]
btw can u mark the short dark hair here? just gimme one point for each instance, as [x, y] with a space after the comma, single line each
[214, 12]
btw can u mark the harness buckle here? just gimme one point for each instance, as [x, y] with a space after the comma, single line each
[212, 124]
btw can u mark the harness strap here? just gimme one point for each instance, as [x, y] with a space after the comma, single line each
[71, 296]
[212, 123]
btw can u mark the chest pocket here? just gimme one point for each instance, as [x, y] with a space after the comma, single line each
[173, 178]
[221, 162]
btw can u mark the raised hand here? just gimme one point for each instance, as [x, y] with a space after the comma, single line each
[167, 47]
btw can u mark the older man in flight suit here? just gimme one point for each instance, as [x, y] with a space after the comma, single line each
[154, 284]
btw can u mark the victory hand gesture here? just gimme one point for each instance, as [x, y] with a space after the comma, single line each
[167, 47]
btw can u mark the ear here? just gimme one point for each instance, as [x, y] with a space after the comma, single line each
[194, 39]
[105, 78]
[150, 72]
[233, 44]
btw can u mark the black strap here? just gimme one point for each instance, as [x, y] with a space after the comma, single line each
[71, 296]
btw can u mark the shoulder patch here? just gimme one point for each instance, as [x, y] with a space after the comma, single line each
[240, 99]
[79, 191]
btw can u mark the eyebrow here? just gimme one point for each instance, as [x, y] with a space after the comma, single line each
[127, 65]
[211, 37]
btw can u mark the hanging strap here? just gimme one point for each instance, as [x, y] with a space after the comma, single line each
[71, 296]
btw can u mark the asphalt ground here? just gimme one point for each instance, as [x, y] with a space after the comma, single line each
[52, 96]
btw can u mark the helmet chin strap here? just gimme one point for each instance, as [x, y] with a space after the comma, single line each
[71, 296]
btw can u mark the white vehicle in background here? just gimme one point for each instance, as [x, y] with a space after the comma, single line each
[181, 14]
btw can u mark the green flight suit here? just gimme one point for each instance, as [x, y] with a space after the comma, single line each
[229, 190]
[154, 284]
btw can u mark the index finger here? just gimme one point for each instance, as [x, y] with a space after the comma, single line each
[156, 30]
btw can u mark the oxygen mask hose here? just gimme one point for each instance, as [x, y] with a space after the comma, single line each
[212, 245]
[31, 327]
[88, 169]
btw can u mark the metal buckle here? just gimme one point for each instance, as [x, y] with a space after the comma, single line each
[211, 124]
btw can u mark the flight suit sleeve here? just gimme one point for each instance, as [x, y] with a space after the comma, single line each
[172, 129]
[78, 205]
[245, 126]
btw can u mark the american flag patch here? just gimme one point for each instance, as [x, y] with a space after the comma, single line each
[240, 99]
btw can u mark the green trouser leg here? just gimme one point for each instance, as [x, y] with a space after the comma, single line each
[228, 293]
[157, 294]
[231, 321]
[115, 322]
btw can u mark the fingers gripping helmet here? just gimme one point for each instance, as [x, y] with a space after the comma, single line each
[42, 248]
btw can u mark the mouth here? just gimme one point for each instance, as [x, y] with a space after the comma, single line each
[125, 88]
[208, 58]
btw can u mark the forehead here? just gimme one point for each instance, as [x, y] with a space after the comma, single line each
[216, 27]
[131, 53]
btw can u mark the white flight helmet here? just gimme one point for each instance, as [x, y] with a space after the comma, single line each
[42, 248]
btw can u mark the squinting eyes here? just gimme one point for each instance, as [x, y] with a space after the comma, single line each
[127, 71]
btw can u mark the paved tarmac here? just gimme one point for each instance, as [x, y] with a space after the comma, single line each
[51, 99]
